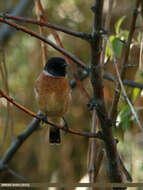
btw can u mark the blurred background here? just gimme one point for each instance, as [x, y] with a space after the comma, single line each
[21, 54]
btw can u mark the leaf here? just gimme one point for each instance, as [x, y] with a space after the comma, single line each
[117, 46]
[108, 51]
[118, 24]
[141, 74]
[125, 117]
[136, 92]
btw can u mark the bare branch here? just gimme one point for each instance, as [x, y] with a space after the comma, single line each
[106, 27]
[44, 46]
[81, 35]
[97, 83]
[125, 171]
[92, 150]
[109, 77]
[18, 176]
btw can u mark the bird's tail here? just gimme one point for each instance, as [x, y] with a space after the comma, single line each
[54, 133]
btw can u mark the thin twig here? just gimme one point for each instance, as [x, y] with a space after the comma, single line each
[92, 149]
[83, 75]
[106, 27]
[6, 125]
[81, 35]
[9, 113]
[141, 52]
[18, 176]
[34, 34]
[125, 171]
[9, 108]
[41, 29]
[98, 162]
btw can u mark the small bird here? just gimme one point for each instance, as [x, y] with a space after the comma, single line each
[53, 95]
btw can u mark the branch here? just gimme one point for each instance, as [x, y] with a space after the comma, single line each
[29, 112]
[18, 176]
[125, 171]
[92, 150]
[106, 27]
[109, 77]
[97, 83]
[81, 35]
[34, 34]
[44, 47]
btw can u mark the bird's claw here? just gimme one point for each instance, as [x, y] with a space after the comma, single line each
[66, 127]
[42, 117]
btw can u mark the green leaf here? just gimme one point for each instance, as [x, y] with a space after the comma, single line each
[125, 117]
[117, 46]
[108, 51]
[141, 74]
[136, 92]
[124, 112]
[118, 24]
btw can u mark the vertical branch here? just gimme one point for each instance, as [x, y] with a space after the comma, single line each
[41, 29]
[9, 117]
[92, 150]
[106, 27]
[99, 102]
[141, 53]
[96, 74]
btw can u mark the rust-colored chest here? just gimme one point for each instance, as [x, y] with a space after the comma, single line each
[53, 95]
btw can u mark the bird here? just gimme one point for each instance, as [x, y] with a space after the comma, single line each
[53, 94]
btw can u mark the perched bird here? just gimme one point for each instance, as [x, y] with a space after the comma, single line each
[52, 91]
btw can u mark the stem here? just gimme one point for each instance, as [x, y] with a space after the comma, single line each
[81, 35]
[97, 83]
[92, 150]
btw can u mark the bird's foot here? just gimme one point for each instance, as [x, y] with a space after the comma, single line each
[66, 127]
[42, 117]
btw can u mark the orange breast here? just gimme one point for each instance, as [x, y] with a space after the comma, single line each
[53, 95]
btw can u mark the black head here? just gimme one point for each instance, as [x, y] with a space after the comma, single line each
[56, 66]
